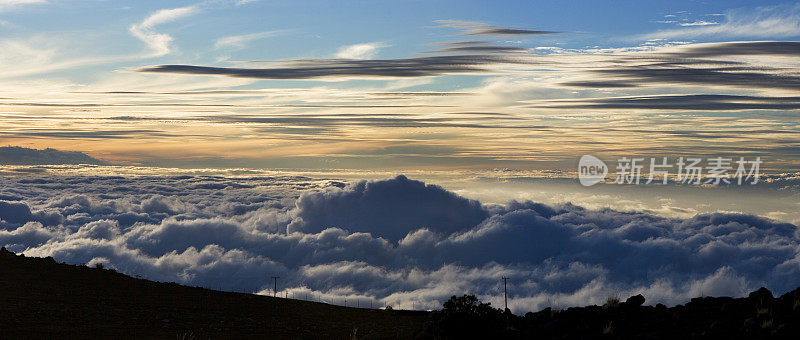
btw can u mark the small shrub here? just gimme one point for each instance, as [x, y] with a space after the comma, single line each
[467, 317]
[611, 302]
[762, 311]
[186, 336]
[609, 328]
[766, 324]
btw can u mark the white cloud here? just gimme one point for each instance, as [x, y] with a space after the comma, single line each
[698, 23]
[159, 43]
[11, 4]
[20, 2]
[226, 232]
[762, 22]
[240, 41]
[360, 51]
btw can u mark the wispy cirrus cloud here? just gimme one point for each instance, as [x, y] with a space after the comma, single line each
[159, 43]
[241, 41]
[685, 102]
[12, 4]
[763, 22]
[698, 23]
[360, 51]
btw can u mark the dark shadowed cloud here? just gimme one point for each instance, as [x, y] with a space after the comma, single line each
[479, 28]
[384, 120]
[716, 76]
[266, 92]
[699, 102]
[711, 50]
[383, 209]
[476, 47]
[700, 64]
[703, 64]
[87, 134]
[320, 68]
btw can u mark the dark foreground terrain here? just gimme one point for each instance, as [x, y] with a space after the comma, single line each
[40, 298]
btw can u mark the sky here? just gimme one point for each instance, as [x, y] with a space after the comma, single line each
[402, 84]
[402, 152]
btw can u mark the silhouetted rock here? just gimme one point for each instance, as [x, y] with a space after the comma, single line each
[636, 300]
[761, 294]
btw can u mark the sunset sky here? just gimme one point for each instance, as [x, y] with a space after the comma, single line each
[401, 152]
[400, 84]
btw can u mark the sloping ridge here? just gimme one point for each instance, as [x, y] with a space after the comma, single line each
[16, 155]
[40, 298]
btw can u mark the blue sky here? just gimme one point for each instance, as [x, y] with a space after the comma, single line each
[402, 84]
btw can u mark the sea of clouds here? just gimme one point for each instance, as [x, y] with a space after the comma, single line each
[395, 241]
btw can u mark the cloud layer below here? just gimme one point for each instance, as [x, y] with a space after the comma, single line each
[395, 241]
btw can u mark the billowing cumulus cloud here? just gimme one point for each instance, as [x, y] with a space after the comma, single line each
[388, 209]
[396, 241]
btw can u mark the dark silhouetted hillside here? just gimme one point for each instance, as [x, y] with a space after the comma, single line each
[15, 155]
[758, 316]
[40, 298]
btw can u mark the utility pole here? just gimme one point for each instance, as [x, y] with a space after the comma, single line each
[505, 290]
[275, 287]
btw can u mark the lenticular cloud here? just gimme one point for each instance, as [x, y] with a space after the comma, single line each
[396, 241]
